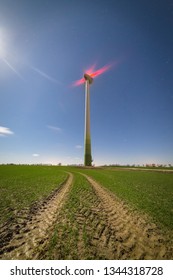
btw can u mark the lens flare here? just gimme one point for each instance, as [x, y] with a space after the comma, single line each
[93, 73]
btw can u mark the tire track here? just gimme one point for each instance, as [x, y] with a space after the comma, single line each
[124, 233]
[27, 242]
[81, 230]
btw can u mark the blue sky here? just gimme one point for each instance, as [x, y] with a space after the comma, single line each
[47, 45]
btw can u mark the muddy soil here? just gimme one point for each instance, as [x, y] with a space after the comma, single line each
[20, 239]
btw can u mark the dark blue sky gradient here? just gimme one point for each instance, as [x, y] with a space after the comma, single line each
[46, 45]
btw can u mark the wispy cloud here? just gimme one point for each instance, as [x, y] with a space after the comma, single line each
[55, 128]
[78, 147]
[44, 75]
[4, 131]
[35, 155]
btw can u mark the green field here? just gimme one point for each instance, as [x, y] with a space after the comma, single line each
[21, 186]
[148, 191]
[68, 231]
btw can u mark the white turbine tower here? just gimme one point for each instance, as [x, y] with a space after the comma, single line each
[88, 79]
[87, 137]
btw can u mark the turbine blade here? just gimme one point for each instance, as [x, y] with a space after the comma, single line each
[78, 82]
[101, 70]
[93, 74]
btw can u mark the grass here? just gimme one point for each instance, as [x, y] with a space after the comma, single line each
[20, 186]
[151, 192]
[147, 191]
[79, 221]
[71, 236]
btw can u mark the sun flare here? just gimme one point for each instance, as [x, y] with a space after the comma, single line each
[2, 45]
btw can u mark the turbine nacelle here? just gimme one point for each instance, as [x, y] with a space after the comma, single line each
[88, 78]
[92, 74]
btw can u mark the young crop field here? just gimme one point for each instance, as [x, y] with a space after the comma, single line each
[50, 212]
[21, 186]
[149, 191]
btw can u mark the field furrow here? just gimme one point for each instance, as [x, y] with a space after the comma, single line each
[94, 224]
[86, 213]
[132, 235]
[27, 240]
[81, 230]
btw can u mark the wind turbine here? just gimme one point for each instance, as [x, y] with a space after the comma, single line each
[88, 79]
[87, 137]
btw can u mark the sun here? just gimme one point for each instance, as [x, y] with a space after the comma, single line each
[4, 54]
